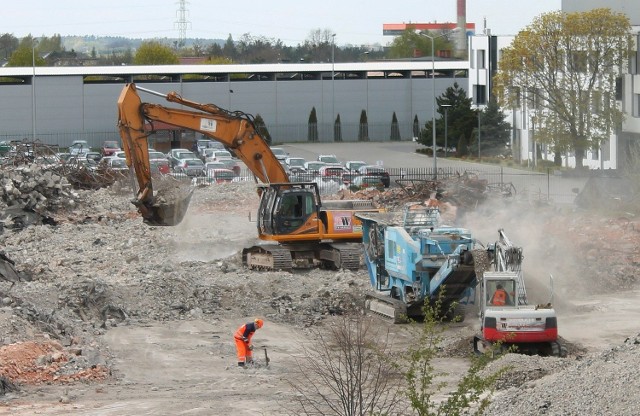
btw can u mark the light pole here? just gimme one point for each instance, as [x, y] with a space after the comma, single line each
[446, 126]
[33, 89]
[433, 104]
[479, 114]
[333, 88]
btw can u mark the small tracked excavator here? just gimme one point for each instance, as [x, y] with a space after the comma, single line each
[299, 229]
[505, 314]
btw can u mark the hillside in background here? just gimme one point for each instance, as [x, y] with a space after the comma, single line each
[107, 45]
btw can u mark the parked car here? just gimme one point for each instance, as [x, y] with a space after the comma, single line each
[354, 165]
[280, 153]
[161, 164]
[79, 147]
[177, 157]
[213, 165]
[329, 159]
[366, 182]
[221, 175]
[214, 155]
[109, 147]
[313, 167]
[231, 164]
[295, 163]
[190, 167]
[333, 171]
[117, 164]
[96, 156]
[119, 154]
[374, 170]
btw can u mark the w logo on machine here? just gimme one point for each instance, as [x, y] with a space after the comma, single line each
[342, 221]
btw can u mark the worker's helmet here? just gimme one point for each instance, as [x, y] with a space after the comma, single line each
[259, 322]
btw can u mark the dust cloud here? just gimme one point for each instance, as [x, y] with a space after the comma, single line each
[550, 248]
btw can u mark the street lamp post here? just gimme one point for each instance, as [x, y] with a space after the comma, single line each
[446, 126]
[333, 88]
[433, 104]
[33, 89]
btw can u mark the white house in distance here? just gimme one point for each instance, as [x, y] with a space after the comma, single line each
[485, 51]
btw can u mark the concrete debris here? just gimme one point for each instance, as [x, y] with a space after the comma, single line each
[99, 267]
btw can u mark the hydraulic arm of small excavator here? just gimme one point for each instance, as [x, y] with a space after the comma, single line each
[234, 129]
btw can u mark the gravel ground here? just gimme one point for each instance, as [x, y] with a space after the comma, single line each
[100, 267]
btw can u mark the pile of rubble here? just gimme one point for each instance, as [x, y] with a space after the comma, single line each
[98, 267]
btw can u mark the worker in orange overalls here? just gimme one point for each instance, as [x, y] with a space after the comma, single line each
[243, 341]
[499, 296]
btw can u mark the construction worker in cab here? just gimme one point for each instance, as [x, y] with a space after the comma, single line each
[243, 341]
[500, 296]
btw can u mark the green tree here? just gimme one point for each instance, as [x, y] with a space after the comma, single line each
[312, 135]
[416, 127]
[8, 44]
[395, 129]
[363, 131]
[473, 391]
[495, 132]
[154, 53]
[229, 48]
[337, 129]
[411, 44]
[27, 54]
[461, 118]
[564, 66]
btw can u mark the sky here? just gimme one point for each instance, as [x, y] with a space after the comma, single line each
[354, 22]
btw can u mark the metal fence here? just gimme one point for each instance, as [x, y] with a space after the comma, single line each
[547, 187]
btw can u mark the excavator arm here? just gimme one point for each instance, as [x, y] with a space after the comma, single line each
[236, 130]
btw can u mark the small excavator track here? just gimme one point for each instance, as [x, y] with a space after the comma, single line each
[267, 257]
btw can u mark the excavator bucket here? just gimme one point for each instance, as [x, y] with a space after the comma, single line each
[169, 204]
[167, 208]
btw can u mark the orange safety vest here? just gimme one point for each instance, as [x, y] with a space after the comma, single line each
[499, 297]
[243, 331]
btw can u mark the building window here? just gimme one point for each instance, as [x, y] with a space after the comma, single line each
[605, 150]
[480, 60]
[619, 89]
[481, 94]
[633, 62]
[636, 105]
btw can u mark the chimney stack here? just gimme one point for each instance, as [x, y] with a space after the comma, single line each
[461, 38]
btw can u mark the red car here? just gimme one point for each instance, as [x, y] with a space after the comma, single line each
[110, 147]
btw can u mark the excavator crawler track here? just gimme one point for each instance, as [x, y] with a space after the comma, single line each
[341, 255]
[387, 307]
[267, 258]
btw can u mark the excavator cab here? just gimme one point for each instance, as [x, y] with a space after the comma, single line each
[287, 209]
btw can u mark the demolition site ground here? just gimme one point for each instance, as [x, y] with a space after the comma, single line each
[111, 317]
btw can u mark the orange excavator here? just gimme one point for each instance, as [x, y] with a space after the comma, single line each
[299, 230]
